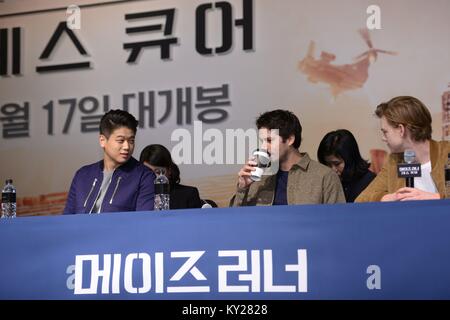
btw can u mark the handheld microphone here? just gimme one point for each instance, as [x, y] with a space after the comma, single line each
[409, 169]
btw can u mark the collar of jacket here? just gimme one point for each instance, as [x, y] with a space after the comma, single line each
[123, 169]
[436, 172]
[434, 154]
[303, 163]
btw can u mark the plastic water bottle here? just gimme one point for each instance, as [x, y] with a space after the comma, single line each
[447, 178]
[9, 200]
[162, 191]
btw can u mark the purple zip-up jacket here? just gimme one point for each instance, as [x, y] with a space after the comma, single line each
[131, 189]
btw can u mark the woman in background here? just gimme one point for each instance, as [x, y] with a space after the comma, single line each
[181, 197]
[339, 151]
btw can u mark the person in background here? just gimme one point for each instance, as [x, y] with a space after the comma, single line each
[299, 179]
[118, 182]
[181, 196]
[406, 125]
[339, 151]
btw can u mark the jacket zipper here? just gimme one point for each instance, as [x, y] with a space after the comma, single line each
[96, 198]
[92, 189]
[115, 189]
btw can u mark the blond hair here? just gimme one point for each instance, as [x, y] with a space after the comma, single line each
[410, 112]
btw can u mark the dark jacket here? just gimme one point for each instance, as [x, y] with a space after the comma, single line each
[184, 197]
[353, 188]
[131, 189]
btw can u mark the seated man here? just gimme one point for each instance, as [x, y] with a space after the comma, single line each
[118, 182]
[299, 179]
[406, 125]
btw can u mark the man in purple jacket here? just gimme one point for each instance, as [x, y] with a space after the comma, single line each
[118, 182]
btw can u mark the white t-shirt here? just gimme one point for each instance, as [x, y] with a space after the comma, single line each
[425, 182]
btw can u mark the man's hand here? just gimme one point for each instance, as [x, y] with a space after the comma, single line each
[389, 197]
[244, 174]
[407, 194]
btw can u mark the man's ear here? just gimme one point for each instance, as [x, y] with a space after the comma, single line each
[102, 140]
[291, 140]
[402, 129]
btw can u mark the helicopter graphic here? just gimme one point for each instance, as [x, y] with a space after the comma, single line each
[340, 77]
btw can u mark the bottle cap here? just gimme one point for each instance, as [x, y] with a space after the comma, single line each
[160, 171]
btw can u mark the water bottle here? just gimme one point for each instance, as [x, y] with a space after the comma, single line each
[9, 200]
[162, 191]
[447, 178]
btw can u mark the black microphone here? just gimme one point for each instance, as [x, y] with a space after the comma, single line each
[410, 169]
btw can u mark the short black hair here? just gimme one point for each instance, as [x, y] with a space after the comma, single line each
[285, 122]
[157, 155]
[341, 143]
[115, 119]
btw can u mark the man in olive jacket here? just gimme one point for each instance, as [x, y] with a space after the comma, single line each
[299, 179]
[406, 125]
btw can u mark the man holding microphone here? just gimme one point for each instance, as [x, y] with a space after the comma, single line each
[406, 125]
